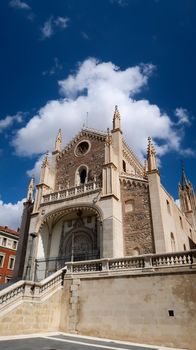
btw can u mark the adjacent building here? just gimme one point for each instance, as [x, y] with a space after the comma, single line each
[8, 248]
[96, 200]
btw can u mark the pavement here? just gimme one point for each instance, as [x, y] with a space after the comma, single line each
[63, 341]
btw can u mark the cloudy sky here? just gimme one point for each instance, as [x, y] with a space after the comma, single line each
[67, 63]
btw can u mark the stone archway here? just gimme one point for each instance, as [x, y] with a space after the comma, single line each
[76, 234]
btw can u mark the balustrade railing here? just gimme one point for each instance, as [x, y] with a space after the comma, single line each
[142, 263]
[71, 192]
[30, 289]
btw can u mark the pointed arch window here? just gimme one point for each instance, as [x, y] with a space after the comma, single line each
[173, 243]
[83, 175]
[124, 166]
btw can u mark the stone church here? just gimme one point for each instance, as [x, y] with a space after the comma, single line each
[96, 200]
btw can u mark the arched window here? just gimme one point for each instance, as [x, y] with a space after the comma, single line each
[124, 166]
[173, 244]
[181, 223]
[83, 175]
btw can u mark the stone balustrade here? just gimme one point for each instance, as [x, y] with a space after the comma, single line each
[141, 262]
[29, 289]
[71, 192]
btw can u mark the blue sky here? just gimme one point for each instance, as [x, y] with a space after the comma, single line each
[62, 59]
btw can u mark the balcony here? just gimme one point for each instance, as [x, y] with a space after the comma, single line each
[71, 192]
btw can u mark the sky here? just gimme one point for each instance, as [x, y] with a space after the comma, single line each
[67, 63]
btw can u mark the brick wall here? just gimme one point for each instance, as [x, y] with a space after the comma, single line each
[69, 162]
[137, 224]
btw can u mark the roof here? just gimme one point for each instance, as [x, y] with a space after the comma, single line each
[9, 230]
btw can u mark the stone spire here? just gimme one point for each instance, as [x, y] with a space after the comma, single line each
[30, 189]
[116, 119]
[45, 161]
[187, 199]
[151, 156]
[58, 142]
[184, 183]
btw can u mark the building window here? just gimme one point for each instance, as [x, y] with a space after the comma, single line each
[181, 223]
[14, 245]
[4, 242]
[184, 246]
[7, 279]
[2, 256]
[190, 233]
[11, 263]
[82, 174]
[124, 166]
[82, 148]
[173, 243]
[129, 206]
[168, 207]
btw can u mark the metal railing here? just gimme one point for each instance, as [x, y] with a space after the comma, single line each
[46, 267]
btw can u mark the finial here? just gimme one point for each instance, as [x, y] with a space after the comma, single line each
[45, 160]
[116, 119]
[184, 179]
[30, 189]
[108, 139]
[58, 141]
[151, 156]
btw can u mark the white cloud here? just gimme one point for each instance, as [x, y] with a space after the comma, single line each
[48, 28]
[182, 115]
[19, 4]
[96, 88]
[10, 214]
[35, 171]
[85, 35]
[61, 22]
[9, 120]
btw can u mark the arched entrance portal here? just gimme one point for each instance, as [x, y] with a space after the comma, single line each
[71, 235]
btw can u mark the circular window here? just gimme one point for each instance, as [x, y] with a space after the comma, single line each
[82, 148]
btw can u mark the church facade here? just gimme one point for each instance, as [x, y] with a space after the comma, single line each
[96, 200]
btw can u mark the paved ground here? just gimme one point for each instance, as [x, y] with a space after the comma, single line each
[67, 342]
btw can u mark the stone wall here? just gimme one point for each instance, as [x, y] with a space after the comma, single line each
[150, 306]
[137, 225]
[69, 162]
[136, 308]
[31, 316]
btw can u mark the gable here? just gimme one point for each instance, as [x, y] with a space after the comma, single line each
[85, 151]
